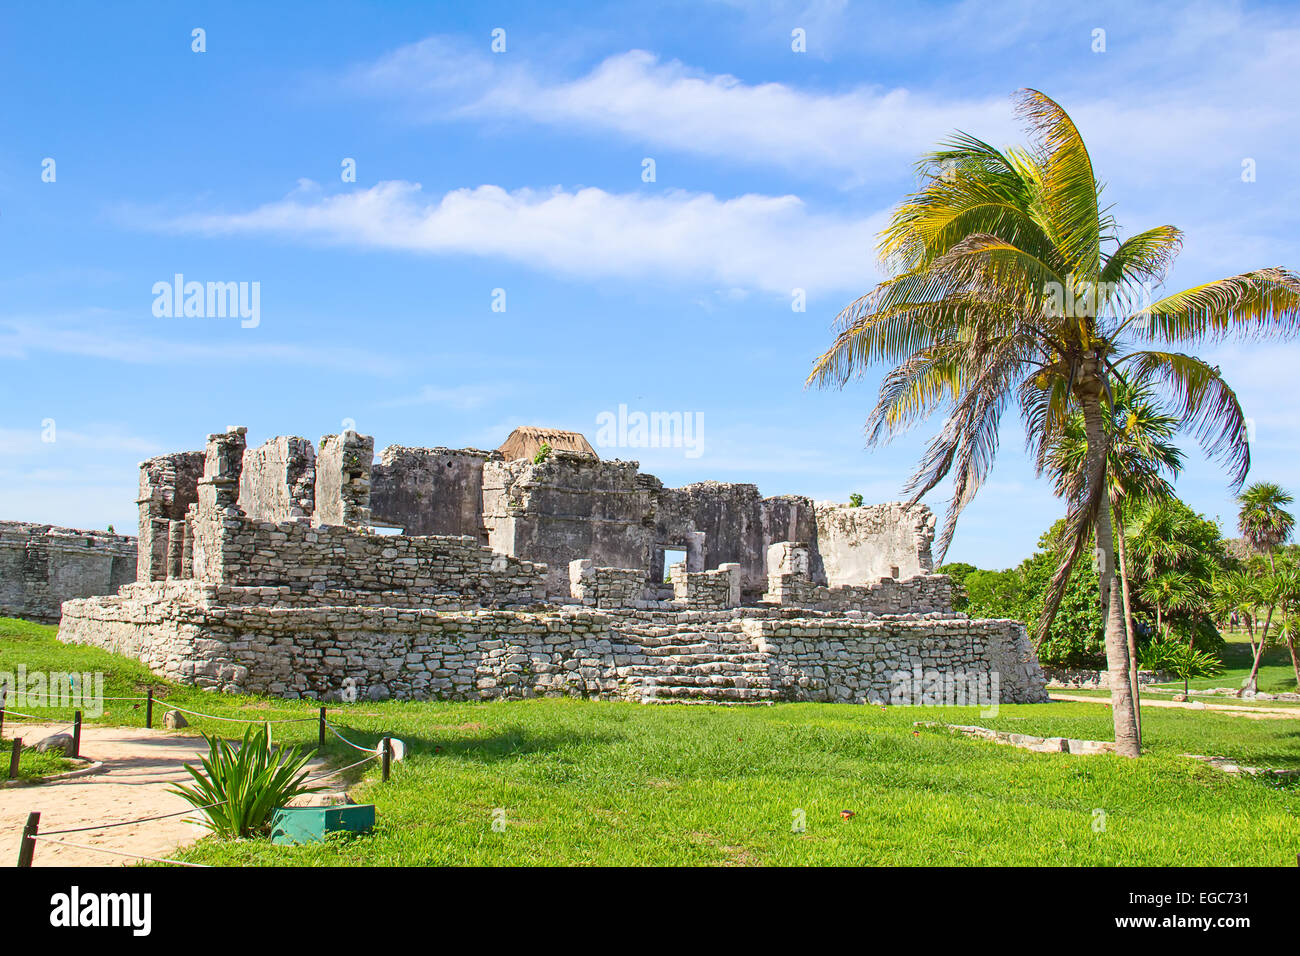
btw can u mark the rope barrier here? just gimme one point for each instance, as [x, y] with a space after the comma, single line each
[14, 713]
[346, 741]
[331, 773]
[127, 823]
[240, 720]
[131, 856]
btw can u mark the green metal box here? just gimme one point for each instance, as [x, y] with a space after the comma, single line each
[310, 824]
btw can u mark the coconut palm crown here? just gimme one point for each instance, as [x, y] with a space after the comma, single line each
[1009, 284]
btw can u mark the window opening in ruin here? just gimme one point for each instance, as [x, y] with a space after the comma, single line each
[893, 570]
[672, 557]
[386, 529]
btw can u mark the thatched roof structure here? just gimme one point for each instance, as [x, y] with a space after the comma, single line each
[524, 442]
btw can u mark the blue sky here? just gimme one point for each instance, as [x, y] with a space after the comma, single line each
[522, 170]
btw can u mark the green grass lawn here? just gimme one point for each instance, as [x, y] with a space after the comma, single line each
[32, 765]
[599, 782]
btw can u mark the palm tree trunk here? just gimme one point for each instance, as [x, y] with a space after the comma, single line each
[1128, 621]
[1252, 680]
[1088, 390]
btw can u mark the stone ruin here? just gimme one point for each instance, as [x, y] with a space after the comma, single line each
[317, 571]
[42, 565]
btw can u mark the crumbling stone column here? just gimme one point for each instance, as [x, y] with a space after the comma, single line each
[789, 580]
[175, 549]
[343, 480]
[223, 461]
[168, 486]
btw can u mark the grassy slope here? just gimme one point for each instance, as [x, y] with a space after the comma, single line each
[600, 782]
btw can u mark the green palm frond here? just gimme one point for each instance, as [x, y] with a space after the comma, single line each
[1262, 303]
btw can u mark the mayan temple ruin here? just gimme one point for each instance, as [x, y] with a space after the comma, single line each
[318, 571]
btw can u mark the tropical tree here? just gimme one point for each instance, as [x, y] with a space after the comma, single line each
[1266, 524]
[1262, 520]
[1009, 283]
[1140, 453]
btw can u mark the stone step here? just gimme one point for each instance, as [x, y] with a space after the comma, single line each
[751, 657]
[699, 650]
[706, 667]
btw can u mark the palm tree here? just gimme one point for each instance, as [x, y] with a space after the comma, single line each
[1009, 283]
[1168, 592]
[1263, 522]
[1140, 453]
[1232, 594]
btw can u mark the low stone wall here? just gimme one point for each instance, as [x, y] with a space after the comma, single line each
[198, 634]
[234, 550]
[606, 587]
[42, 565]
[921, 594]
[706, 590]
[1079, 678]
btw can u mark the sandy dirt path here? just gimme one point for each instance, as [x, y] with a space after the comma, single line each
[1238, 710]
[139, 767]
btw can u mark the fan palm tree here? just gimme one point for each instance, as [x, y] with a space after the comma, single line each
[1263, 521]
[1009, 284]
[1140, 453]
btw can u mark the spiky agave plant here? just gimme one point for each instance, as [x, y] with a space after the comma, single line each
[238, 787]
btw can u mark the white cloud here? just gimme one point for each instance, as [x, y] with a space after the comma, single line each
[867, 132]
[24, 336]
[771, 243]
[461, 397]
[1157, 125]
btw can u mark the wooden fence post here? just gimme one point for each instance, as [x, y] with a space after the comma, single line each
[388, 757]
[321, 741]
[76, 733]
[17, 756]
[148, 711]
[28, 845]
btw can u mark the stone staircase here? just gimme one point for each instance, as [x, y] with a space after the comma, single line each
[701, 667]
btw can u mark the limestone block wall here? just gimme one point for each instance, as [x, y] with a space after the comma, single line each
[895, 662]
[859, 545]
[278, 480]
[429, 490]
[42, 565]
[568, 507]
[707, 590]
[239, 551]
[745, 654]
[605, 587]
[735, 523]
[922, 594]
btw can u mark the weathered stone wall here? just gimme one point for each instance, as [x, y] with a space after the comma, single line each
[741, 655]
[568, 507]
[42, 565]
[922, 594]
[707, 590]
[734, 523]
[238, 551]
[278, 480]
[429, 490]
[859, 545]
[605, 587]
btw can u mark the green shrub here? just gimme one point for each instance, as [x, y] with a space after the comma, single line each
[855, 500]
[543, 453]
[240, 787]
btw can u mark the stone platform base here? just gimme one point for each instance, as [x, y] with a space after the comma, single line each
[258, 640]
